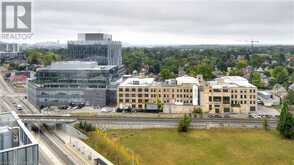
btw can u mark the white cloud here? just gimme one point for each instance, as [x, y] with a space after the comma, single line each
[167, 21]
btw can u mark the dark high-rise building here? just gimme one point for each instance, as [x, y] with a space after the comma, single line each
[97, 47]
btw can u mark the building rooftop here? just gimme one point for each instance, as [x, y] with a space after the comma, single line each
[10, 121]
[186, 80]
[77, 65]
[94, 36]
[230, 81]
[136, 81]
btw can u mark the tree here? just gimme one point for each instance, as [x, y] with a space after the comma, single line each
[198, 111]
[235, 72]
[166, 73]
[241, 63]
[257, 60]
[35, 56]
[265, 124]
[280, 58]
[290, 97]
[159, 104]
[286, 122]
[291, 78]
[280, 74]
[255, 79]
[184, 123]
[205, 69]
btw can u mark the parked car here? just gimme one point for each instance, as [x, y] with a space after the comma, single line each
[18, 107]
[63, 107]
[81, 105]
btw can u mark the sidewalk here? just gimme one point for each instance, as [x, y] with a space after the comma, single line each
[82, 148]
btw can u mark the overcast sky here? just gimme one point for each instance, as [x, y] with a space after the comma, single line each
[167, 21]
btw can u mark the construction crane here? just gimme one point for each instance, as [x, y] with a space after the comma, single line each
[250, 51]
[252, 43]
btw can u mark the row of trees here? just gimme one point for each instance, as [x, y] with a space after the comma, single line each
[35, 56]
[166, 62]
[278, 75]
[87, 127]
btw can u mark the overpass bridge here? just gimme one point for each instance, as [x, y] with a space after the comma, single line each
[41, 118]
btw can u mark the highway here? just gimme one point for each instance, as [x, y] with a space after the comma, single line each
[52, 149]
[147, 122]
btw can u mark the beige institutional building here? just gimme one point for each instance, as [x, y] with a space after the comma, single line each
[185, 93]
[229, 94]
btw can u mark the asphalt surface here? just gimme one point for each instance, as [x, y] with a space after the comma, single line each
[49, 154]
[147, 122]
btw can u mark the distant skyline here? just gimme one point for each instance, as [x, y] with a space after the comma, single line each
[166, 22]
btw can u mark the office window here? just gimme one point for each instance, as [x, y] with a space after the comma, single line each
[217, 98]
[252, 108]
[226, 109]
[226, 100]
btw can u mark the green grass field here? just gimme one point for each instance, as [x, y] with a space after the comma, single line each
[214, 146]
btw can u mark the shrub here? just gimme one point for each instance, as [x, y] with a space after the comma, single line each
[184, 124]
[265, 124]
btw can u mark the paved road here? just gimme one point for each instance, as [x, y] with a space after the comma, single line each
[147, 122]
[48, 153]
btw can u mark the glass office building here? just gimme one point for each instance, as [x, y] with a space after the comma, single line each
[97, 47]
[77, 82]
[17, 145]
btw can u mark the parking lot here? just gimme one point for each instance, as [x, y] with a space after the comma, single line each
[263, 111]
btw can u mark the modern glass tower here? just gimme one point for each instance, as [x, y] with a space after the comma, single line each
[97, 47]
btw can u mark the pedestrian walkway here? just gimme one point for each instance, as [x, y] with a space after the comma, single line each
[79, 146]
